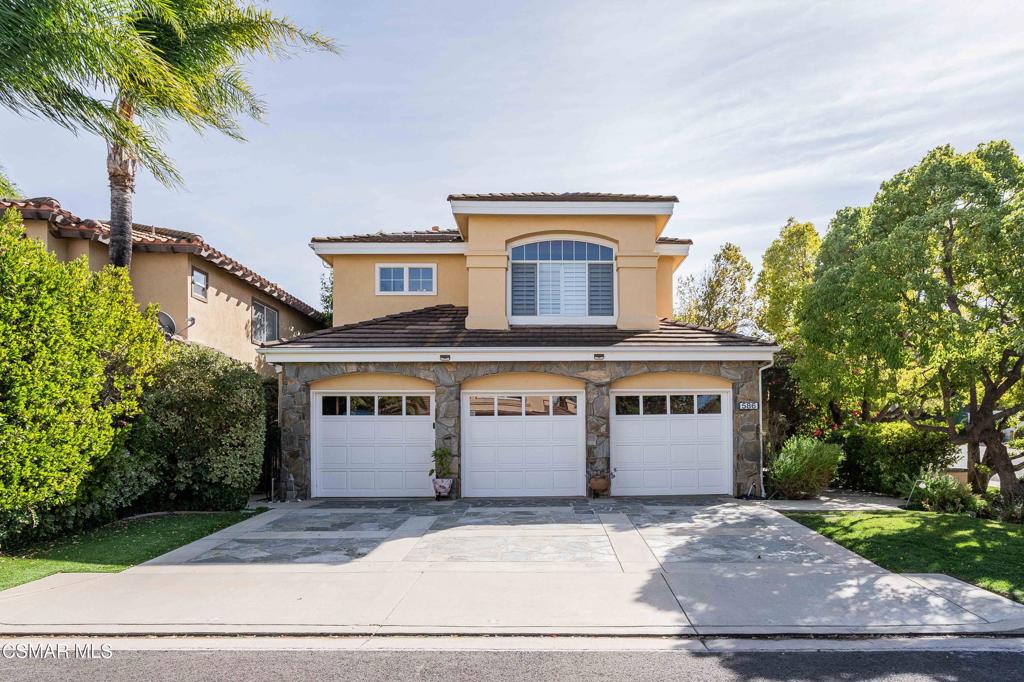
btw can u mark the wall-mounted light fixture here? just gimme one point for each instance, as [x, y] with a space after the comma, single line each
[599, 356]
[446, 358]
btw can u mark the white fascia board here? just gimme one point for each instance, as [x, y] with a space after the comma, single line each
[694, 353]
[672, 249]
[562, 207]
[385, 248]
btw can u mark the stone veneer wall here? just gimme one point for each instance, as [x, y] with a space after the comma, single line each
[448, 377]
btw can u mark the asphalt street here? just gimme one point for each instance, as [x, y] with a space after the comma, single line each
[525, 666]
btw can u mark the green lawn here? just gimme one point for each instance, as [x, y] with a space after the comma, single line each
[987, 553]
[111, 548]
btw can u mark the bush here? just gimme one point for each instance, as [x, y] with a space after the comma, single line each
[75, 355]
[882, 457]
[938, 492]
[804, 467]
[204, 424]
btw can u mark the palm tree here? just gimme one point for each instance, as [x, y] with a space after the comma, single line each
[63, 59]
[203, 43]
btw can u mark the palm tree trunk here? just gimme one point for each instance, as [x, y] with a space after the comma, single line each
[121, 167]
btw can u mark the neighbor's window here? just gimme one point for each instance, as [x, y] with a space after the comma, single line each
[264, 323]
[416, 280]
[200, 282]
[562, 278]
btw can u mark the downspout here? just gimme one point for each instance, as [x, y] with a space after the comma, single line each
[760, 422]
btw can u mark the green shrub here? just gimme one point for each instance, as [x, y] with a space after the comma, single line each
[204, 423]
[75, 355]
[881, 457]
[937, 491]
[804, 467]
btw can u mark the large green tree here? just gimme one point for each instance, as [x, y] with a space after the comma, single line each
[720, 297]
[204, 44]
[786, 271]
[924, 292]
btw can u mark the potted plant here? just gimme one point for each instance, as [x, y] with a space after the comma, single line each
[599, 484]
[442, 472]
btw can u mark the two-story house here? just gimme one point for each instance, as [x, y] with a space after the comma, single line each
[208, 297]
[535, 341]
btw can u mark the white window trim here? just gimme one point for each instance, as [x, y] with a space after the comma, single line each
[563, 320]
[405, 279]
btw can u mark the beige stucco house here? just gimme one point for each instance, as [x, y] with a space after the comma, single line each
[535, 341]
[213, 299]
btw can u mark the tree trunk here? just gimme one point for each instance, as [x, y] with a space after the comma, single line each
[121, 172]
[977, 479]
[835, 412]
[998, 457]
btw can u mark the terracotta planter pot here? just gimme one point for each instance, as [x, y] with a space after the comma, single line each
[599, 484]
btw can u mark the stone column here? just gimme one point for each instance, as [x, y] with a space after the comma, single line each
[746, 433]
[598, 411]
[447, 420]
[294, 410]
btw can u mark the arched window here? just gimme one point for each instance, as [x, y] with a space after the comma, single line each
[565, 281]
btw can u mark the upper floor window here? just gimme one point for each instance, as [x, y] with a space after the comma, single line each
[415, 280]
[562, 281]
[200, 282]
[264, 323]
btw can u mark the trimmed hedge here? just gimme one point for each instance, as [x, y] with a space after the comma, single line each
[75, 356]
[204, 424]
[881, 458]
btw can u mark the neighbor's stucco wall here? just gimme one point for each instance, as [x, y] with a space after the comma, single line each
[355, 285]
[450, 380]
[224, 319]
[162, 278]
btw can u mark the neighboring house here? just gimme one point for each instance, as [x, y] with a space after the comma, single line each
[535, 341]
[213, 299]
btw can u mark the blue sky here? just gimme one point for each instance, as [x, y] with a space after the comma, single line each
[750, 112]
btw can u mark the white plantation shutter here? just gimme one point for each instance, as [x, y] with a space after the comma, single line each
[550, 290]
[601, 290]
[574, 289]
[524, 289]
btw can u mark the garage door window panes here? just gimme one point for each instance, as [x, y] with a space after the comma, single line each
[417, 405]
[627, 404]
[361, 405]
[389, 405]
[333, 406]
[681, 404]
[655, 404]
[709, 404]
[481, 406]
[510, 406]
[538, 405]
[564, 406]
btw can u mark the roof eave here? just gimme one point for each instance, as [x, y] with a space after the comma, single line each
[470, 207]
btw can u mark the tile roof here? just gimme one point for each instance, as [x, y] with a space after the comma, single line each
[150, 238]
[428, 237]
[444, 326]
[424, 236]
[562, 196]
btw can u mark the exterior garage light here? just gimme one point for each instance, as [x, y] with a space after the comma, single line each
[445, 358]
[599, 356]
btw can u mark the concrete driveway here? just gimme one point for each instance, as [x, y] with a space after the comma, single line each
[680, 566]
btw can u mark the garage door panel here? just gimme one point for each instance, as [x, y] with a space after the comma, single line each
[334, 456]
[334, 480]
[682, 429]
[360, 456]
[384, 432]
[537, 430]
[361, 480]
[419, 431]
[522, 455]
[389, 480]
[684, 479]
[710, 428]
[655, 430]
[333, 432]
[510, 429]
[663, 454]
[360, 429]
[627, 431]
[537, 456]
[389, 456]
[683, 455]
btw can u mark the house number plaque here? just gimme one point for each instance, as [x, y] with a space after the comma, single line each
[747, 405]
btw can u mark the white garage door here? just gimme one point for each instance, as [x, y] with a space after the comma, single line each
[372, 445]
[672, 443]
[521, 445]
